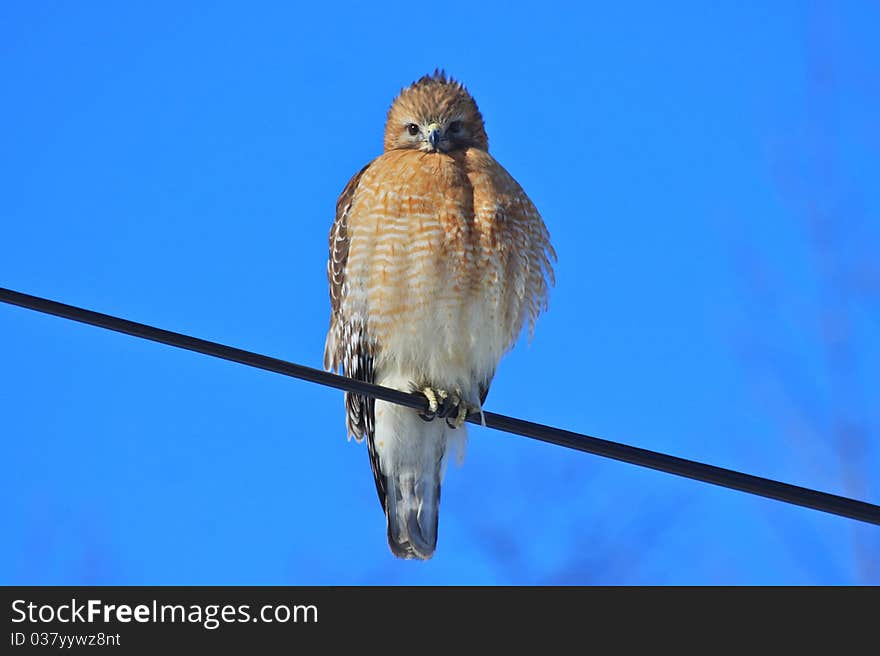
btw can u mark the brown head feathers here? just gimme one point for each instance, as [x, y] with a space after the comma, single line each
[435, 113]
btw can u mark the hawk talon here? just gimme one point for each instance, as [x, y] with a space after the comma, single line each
[446, 405]
[434, 407]
[462, 410]
[431, 412]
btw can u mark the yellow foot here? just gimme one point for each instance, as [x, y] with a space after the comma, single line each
[436, 402]
[446, 405]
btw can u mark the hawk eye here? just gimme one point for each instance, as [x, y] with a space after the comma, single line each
[413, 129]
[455, 126]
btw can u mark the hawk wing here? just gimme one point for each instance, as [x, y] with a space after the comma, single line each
[335, 353]
[348, 348]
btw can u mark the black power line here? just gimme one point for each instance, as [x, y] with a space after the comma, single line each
[801, 496]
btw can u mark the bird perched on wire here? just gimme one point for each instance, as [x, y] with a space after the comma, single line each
[437, 260]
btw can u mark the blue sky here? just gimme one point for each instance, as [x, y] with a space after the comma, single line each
[709, 175]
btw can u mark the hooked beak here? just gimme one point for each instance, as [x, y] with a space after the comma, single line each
[432, 135]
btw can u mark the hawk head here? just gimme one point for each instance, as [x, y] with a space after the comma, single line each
[435, 114]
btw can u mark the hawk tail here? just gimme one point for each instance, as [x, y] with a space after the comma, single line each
[412, 507]
[407, 455]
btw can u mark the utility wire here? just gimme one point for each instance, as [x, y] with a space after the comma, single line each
[801, 496]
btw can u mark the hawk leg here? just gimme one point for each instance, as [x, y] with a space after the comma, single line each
[446, 405]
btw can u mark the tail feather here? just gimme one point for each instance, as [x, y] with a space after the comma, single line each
[412, 511]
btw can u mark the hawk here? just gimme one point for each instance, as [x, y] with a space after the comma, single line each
[437, 260]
